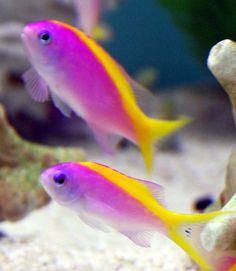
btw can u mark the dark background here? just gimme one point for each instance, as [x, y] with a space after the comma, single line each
[145, 35]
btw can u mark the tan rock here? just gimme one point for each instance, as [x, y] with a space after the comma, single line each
[20, 165]
[222, 63]
[220, 233]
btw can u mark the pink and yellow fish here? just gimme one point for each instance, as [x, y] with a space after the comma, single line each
[89, 14]
[105, 198]
[226, 263]
[81, 76]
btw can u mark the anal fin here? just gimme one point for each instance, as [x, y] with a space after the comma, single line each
[106, 141]
[142, 238]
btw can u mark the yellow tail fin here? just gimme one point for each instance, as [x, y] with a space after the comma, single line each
[185, 231]
[157, 129]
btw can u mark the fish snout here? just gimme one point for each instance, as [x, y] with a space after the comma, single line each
[46, 177]
[27, 32]
[43, 178]
[45, 181]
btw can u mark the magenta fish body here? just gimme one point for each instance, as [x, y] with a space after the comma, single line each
[96, 200]
[75, 75]
[80, 76]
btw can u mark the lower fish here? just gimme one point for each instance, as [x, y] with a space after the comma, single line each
[105, 198]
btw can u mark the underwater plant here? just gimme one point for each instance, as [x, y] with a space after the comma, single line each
[20, 165]
[203, 22]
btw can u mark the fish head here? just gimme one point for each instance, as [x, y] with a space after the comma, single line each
[64, 182]
[44, 42]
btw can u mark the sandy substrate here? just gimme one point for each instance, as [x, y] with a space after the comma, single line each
[54, 239]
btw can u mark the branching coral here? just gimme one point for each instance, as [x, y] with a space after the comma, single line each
[204, 22]
[219, 235]
[222, 63]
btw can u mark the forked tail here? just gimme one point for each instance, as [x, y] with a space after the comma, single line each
[185, 231]
[155, 130]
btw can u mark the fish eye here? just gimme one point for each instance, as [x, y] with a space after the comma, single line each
[59, 179]
[45, 37]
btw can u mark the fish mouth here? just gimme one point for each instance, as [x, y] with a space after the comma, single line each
[43, 179]
[45, 183]
[24, 38]
[27, 33]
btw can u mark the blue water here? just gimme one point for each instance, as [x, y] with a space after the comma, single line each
[146, 36]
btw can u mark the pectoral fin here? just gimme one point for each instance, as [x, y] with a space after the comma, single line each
[97, 207]
[93, 222]
[36, 86]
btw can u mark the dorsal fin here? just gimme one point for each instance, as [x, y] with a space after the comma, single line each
[156, 190]
[143, 96]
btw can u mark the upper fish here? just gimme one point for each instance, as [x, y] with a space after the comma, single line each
[81, 76]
